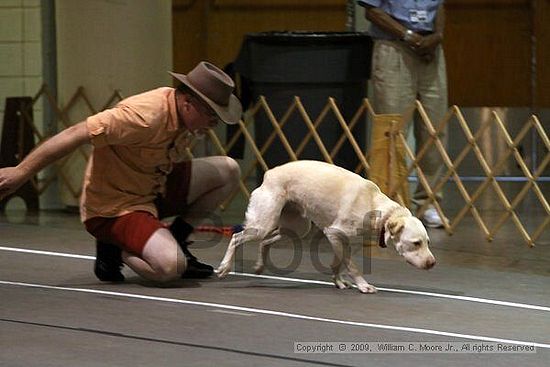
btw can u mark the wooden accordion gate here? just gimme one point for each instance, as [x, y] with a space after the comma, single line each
[392, 172]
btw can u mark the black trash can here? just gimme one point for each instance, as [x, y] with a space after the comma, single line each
[313, 66]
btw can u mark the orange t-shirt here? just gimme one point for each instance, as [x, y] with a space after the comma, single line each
[134, 146]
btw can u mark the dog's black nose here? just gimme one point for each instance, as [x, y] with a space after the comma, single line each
[430, 264]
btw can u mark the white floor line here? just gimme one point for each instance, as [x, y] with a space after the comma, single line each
[281, 314]
[48, 253]
[406, 291]
[320, 282]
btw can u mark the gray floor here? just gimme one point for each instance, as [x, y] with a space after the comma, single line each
[55, 313]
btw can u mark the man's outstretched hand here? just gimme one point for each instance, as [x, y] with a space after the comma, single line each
[11, 178]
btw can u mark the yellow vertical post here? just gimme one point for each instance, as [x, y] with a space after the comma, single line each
[388, 168]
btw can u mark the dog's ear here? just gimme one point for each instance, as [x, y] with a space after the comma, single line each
[392, 229]
[395, 226]
[382, 239]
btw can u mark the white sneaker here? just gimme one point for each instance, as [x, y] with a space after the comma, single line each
[431, 218]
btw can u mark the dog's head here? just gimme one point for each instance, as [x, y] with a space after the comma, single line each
[408, 235]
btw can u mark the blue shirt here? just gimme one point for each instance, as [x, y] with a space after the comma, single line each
[416, 15]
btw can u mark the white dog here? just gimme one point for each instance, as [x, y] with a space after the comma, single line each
[339, 202]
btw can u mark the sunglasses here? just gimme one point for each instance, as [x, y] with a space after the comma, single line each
[204, 109]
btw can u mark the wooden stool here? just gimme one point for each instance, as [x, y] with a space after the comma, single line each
[17, 141]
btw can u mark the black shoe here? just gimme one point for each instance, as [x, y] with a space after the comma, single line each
[195, 269]
[108, 262]
[180, 229]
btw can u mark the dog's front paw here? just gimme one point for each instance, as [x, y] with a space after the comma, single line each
[259, 269]
[366, 288]
[340, 282]
[222, 271]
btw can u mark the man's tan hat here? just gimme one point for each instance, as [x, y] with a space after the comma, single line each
[215, 88]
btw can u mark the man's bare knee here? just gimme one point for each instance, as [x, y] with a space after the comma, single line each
[168, 270]
[162, 254]
[232, 172]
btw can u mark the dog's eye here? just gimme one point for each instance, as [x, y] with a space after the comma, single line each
[417, 243]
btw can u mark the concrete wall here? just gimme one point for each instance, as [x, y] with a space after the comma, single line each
[101, 45]
[20, 50]
[107, 45]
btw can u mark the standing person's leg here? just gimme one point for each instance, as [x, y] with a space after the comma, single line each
[394, 86]
[393, 78]
[394, 92]
[433, 95]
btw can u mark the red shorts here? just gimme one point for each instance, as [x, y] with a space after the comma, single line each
[131, 231]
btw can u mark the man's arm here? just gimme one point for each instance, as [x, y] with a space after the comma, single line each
[11, 178]
[428, 44]
[440, 20]
[424, 46]
[388, 24]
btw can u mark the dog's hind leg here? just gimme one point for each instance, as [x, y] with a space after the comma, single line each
[263, 250]
[238, 239]
[262, 218]
[293, 224]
